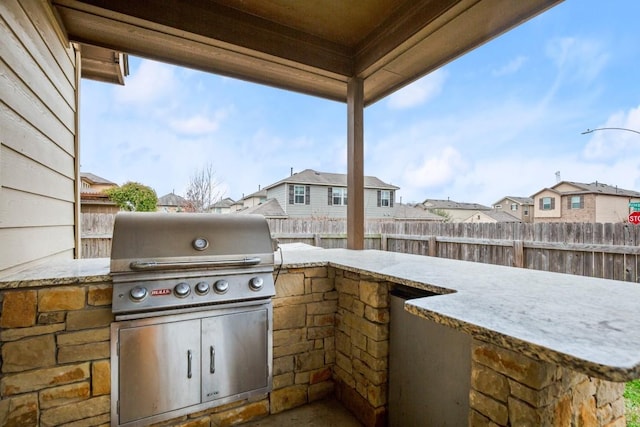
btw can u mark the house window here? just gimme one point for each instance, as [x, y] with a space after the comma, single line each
[547, 203]
[338, 196]
[576, 202]
[514, 206]
[526, 212]
[384, 198]
[299, 194]
[498, 206]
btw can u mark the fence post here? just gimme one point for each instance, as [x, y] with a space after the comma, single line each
[518, 253]
[383, 242]
[317, 240]
[433, 249]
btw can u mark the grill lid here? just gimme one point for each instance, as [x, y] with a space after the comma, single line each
[152, 241]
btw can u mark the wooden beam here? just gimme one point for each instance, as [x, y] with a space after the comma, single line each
[355, 163]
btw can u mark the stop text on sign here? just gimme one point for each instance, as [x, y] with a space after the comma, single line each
[634, 217]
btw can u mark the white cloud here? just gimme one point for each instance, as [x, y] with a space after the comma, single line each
[581, 59]
[511, 67]
[151, 82]
[419, 92]
[437, 169]
[608, 144]
[199, 124]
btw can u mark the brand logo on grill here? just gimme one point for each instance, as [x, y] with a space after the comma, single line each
[160, 292]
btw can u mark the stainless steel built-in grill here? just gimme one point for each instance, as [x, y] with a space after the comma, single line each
[192, 301]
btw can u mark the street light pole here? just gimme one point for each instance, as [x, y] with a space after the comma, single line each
[593, 130]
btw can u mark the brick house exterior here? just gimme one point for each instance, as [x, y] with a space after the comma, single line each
[579, 202]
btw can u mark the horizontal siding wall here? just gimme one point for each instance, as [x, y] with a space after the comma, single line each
[319, 204]
[38, 116]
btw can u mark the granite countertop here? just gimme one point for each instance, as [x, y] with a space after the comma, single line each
[586, 324]
[63, 272]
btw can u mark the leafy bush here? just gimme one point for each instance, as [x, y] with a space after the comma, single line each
[133, 196]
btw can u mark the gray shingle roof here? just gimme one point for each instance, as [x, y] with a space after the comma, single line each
[271, 208]
[599, 187]
[450, 204]
[501, 216]
[224, 203]
[171, 199]
[402, 211]
[518, 199]
[95, 179]
[309, 176]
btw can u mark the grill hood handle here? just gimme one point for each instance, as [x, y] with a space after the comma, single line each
[162, 265]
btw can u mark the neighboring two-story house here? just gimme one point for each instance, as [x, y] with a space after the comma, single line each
[222, 206]
[320, 194]
[171, 203]
[578, 202]
[519, 207]
[453, 211]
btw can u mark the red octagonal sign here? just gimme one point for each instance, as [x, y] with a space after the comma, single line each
[634, 217]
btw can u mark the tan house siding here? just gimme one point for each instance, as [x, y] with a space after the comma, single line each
[550, 214]
[612, 208]
[38, 122]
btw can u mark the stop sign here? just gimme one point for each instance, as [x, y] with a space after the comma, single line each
[634, 217]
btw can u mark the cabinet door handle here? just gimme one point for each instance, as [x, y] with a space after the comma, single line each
[212, 363]
[189, 360]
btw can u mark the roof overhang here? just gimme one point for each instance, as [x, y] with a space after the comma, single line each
[312, 47]
[105, 65]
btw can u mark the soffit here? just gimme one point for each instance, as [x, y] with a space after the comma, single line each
[311, 46]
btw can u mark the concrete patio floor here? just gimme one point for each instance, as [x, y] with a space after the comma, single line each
[323, 413]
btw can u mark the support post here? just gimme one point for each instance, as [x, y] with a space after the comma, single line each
[355, 163]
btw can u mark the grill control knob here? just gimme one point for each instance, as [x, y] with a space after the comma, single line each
[182, 289]
[138, 293]
[221, 286]
[256, 283]
[202, 288]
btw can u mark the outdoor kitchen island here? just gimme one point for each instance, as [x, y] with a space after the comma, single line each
[546, 349]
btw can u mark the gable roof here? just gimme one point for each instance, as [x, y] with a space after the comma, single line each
[450, 204]
[224, 203]
[312, 177]
[171, 199]
[270, 209]
[403, 211]
[518, 200]
[591, 188]
[500, 216]
[95, 179]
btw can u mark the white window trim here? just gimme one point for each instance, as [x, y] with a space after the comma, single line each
[296, 194]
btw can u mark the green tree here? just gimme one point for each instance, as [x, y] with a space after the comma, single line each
[133, 196]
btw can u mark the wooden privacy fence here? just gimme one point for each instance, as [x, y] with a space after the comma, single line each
[610, 251]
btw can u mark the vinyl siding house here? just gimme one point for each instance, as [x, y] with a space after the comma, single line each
[578, 202]
[519, 207]
[315, 194]
[454, 211]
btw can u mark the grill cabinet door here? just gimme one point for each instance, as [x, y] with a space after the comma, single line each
[154, 368]
[234, 354]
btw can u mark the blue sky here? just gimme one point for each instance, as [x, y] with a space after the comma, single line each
[502, 120]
